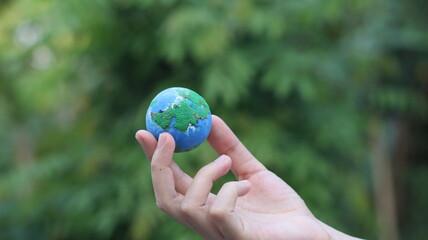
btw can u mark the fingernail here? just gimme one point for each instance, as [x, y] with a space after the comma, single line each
[222, 158]
[139, 140]
[162, 140]
[244, 187]
[245, 182]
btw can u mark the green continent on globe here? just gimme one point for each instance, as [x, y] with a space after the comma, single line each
[183, 112]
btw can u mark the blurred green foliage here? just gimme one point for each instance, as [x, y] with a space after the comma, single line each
[298, 81]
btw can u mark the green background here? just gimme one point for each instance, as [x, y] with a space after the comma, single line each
[330, 95]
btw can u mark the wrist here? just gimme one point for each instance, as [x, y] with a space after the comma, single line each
[335, 234]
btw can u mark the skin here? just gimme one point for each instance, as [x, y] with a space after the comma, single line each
[260, 205]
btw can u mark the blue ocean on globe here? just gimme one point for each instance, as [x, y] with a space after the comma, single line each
[181, 112]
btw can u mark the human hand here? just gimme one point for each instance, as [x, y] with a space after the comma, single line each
[258, 206]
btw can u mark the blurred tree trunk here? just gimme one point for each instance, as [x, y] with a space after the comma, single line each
[23, 147]
[384, 138]
[23, 155]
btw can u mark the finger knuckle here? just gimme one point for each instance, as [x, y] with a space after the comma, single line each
[217, 213]
[162, 206]
[232, 147]
[187, 208]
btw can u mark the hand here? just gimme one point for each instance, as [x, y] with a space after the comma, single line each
[258, 206]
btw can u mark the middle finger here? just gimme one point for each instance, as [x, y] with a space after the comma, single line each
[201, 185]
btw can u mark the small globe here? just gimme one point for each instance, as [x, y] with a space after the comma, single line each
[181, 112]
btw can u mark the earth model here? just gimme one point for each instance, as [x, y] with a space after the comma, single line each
[181, 112]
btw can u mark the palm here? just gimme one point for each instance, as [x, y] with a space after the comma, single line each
[272, 210]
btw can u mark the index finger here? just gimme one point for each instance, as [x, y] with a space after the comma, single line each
[224, 141]
[149, 143]
[162, 175]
